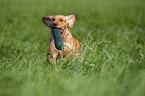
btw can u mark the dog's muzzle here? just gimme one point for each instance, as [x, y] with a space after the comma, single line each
[54, 24]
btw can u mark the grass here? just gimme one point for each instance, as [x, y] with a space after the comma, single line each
[113, 36]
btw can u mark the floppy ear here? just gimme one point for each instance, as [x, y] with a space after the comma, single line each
[70, 19]
[47, 20]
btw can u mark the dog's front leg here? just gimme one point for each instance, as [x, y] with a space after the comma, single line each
[52, 57]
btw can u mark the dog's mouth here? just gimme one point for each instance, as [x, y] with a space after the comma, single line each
[61, 30]
[56, 27]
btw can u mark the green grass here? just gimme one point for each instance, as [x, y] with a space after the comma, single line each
[113, 36]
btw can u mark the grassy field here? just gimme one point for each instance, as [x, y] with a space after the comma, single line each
[113, 36]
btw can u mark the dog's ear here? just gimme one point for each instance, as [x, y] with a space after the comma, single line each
[70, 19]
[47, 20]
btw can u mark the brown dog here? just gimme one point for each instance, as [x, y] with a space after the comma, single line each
[71, 44]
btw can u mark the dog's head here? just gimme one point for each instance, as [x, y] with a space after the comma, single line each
[59, 21]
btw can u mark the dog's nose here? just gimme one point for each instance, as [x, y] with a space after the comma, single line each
[54, 24]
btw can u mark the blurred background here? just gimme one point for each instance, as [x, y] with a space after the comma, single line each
[113, 36]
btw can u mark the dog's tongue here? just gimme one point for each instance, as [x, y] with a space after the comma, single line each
[58, 38]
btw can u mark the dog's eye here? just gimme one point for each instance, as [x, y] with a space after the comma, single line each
[61, 19]
[53, 19]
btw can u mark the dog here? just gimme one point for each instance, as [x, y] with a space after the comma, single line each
[72, 47]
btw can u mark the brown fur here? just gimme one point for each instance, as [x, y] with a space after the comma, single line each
[71, 44]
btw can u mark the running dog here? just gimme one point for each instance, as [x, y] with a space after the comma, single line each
[71, 46]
